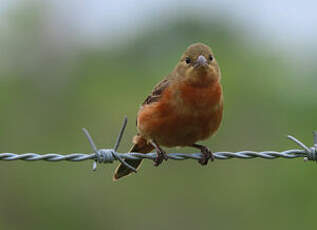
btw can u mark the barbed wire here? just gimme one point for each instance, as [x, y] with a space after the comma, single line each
[111, 155]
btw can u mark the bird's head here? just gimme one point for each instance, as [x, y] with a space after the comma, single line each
[198, 61]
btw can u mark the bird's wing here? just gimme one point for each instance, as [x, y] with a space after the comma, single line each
[157, 92]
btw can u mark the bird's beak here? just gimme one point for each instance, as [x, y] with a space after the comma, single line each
[201, 61]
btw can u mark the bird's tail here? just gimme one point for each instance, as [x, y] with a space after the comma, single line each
[140, 146]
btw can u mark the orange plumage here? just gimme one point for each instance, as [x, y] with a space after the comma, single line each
[184, 108]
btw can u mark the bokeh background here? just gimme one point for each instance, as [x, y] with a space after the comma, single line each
[65, 65]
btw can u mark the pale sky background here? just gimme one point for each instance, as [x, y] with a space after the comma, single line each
[284, 23]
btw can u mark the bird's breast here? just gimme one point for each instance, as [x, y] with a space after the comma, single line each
[184, 115]
[198, 100]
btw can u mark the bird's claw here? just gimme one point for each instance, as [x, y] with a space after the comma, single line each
[161, 155]
[206, 155]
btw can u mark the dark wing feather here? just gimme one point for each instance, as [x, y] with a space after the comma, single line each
[157, 92]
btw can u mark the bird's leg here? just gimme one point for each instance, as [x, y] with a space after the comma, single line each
[161, 154]
[207, 154]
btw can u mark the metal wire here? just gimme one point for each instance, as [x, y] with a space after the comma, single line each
[110, 155]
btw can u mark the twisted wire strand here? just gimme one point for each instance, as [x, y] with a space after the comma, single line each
[293, 153]
[47, 157]
[110, 155]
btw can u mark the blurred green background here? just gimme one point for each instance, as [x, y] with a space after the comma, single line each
[55, 79]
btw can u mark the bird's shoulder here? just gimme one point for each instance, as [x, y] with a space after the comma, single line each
[158, 90]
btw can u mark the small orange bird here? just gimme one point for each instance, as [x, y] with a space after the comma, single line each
[185, 107]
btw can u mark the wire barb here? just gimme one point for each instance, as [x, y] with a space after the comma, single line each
[110, 155]
[311, 153]
[315, 138]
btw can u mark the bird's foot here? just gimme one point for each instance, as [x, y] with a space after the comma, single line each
[161, 154]
[206, 154]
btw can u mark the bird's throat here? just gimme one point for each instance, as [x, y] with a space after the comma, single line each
[201, 78]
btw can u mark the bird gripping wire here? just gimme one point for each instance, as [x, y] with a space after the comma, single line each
[110, 155]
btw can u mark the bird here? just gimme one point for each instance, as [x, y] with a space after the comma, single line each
[182, 109]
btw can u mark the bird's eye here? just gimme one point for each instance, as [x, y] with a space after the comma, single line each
[211, 57]
[188, 60]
